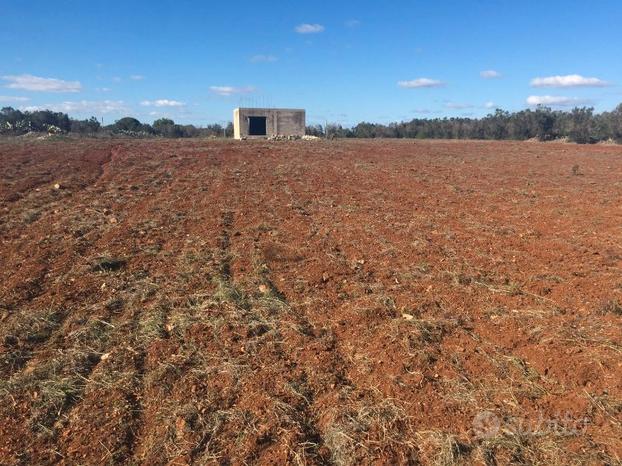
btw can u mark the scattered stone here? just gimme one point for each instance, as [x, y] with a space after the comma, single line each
[57, 186]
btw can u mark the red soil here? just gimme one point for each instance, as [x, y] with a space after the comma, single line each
[337, 302]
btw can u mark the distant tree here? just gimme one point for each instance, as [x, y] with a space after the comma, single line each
[42, 120]
[615, 123]
[10, 115]
[128, 124]
[609, 124]
[315, 130]
[544, 123]
[496, 125]
[582, 125]
[338, 131]
[162, 123]
[13, 121]
[90, 126]
[189, 131]
[167, 128]
[214, 131]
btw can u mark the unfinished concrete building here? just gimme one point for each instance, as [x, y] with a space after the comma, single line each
[267, 122]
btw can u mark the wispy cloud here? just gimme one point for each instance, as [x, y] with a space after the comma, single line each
[352, 23]
[420, 82]
[490, 74]
[231, 90]
[85, 107]
[457, 106]
[116, 79]
[28, 82]
[555, 100]
[103, 89]
[570, 80]
[137, 77]
[162, 103]
[263, 59]
[490, 105]
[13, 98]
[306, 28]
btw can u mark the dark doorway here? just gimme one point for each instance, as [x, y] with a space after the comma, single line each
[256, 126]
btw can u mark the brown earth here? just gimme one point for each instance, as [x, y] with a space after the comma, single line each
[346, 302]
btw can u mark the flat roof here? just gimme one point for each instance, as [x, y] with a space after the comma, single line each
[271, 109]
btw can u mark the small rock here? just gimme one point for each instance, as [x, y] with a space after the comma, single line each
[113, 220]
[180, 425]
[408, 316]
[325, 277]
[57, 186]
[263, 288]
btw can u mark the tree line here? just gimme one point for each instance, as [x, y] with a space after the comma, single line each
[579, 125]
[16, 122]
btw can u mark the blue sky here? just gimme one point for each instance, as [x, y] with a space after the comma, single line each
[344, 62]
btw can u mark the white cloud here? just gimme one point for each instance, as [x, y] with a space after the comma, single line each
[116, 79]
[29, 82]
[490, 105]
[571, 80]
[103, 89]
[162, 103]
[555, 100]
[12, 98]
[307, 28]
[137, 77]
[489, 74]
[87, 107]
[420, 82]
[230, 90]
[263, 59]
[353, 23]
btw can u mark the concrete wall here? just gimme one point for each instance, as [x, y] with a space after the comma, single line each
[279, 121]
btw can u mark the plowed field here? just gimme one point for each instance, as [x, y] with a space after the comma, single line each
[331, 302]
